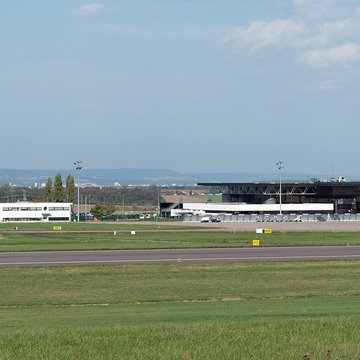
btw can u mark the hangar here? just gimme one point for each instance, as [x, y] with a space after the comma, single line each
[345, 196]
[335, 196]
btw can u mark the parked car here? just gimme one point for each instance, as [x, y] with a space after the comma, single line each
[321, 218]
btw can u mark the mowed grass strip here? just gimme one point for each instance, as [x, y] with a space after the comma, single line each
[222, 311]
[166, 240]
[319, 339]
[90, 226]
[118, 284]
[181, 312]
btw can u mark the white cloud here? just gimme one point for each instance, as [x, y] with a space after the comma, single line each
[329, 34]
[335, 56]
[292, 33]
[259, 34]
[90, 9]
[312, 41]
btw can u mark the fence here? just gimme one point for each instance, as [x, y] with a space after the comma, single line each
[229, 218]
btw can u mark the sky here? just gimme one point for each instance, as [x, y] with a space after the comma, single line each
[187, 85]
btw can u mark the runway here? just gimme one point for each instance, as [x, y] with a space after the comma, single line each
[58, 258]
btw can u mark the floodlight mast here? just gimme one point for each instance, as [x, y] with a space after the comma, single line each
[78, 166]
[280, 166]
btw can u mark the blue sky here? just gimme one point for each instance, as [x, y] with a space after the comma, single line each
[190, 85]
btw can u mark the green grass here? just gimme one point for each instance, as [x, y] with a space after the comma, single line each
[222, 311]
[320, 338]
[90, 226]
[269, 310]
[177, 283]
[164, 240]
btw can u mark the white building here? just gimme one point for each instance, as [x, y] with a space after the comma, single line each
[35, 211]
[204, 208]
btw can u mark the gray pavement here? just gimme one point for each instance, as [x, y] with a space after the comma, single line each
[53, 258]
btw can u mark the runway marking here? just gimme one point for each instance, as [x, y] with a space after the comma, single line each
[74, 262]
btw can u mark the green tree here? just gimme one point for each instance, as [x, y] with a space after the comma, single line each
[109, 209]
[97, 211]
[58, 189]
[48, 190]
[70, 189]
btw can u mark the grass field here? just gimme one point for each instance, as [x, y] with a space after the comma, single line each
[270, 310]
[90, 226]
[15, 241]
[222, 311]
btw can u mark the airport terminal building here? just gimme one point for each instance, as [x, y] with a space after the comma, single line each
[35, 212]
[335, 196]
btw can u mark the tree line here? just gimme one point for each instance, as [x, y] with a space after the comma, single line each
[56, 191]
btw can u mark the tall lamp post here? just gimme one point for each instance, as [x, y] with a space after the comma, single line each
[280, 166]
[78, 166]
[158, 206]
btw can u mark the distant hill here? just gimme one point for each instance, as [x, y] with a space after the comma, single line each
[160, 177]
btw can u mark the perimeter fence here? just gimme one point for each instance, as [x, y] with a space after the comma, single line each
[230, 218]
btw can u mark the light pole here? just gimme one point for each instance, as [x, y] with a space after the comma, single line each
[78, 166]
[280, 166]
[158, 206]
